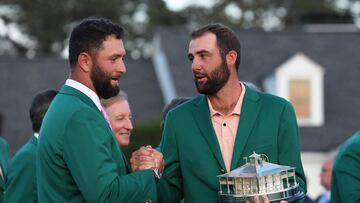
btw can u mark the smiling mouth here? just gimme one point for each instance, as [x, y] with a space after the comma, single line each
[124, 134]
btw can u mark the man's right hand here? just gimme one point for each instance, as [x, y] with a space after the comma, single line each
[147, 158]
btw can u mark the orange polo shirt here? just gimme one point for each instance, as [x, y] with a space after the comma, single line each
[225, 127]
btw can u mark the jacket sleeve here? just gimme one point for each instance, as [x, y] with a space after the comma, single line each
[88, 154]
[21, 186]
[345, 182]
[170, 187]
[289, 145]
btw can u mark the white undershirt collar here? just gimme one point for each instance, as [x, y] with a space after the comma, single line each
[87, 91]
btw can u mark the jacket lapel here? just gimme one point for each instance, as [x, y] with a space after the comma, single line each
[2, 181]
[33, 140]
[72, 91]
[249, 111]
[203, 121]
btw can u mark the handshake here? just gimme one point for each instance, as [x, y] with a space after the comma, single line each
[147, 158]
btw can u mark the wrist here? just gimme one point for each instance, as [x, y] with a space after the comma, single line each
[157, 174]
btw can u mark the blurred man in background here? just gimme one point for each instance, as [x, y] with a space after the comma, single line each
[325, 178]
[118, 110]
[22, 175]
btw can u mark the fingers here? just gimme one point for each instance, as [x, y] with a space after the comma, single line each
[147, 151]
[159, 160]
[264, 199]
[146, 158]
[139, 158]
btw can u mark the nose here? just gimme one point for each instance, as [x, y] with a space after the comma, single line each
[128, 124]
[195, 65]
[121, 67]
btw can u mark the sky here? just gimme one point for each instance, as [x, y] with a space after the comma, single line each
[176, 5]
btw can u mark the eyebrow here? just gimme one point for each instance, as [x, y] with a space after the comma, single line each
[203, 51]
[117, 55]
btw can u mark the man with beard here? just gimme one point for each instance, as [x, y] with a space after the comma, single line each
[79, 159]
[210, 134]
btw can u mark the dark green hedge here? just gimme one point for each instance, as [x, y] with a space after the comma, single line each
[148, 133]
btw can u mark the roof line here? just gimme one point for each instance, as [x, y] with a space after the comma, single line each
[162, 71]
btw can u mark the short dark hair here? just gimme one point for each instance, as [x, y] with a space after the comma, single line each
[89, 35]
[39, 106]
[226, 39]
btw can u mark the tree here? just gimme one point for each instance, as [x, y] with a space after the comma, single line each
[48, 23]
[266, 14]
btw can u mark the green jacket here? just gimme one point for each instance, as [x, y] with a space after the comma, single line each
[4, 164]
[193, 156]
[21, 185]
[345, 182]
[79, 159]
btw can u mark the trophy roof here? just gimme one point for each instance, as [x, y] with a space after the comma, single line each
[256, 168]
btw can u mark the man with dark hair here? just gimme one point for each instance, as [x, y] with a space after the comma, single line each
[4, 162]
[79, 159]
[210, 134]
[21, 185]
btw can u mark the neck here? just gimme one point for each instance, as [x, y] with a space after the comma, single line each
[227, 97]
[83, 79]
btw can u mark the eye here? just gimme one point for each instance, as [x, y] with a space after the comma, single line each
[113, 59]
[202, 56]
[190, 57]
[120, 118]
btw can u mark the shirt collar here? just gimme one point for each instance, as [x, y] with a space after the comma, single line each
[36, 135]
[87, 91]
[237, 108]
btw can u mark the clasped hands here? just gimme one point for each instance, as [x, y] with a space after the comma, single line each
[147, 158]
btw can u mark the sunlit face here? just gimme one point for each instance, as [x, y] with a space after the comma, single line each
[210, 71]
[108, 66]
[120, 118]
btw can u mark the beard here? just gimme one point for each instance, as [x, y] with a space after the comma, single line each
[215, 81]
[102, 82]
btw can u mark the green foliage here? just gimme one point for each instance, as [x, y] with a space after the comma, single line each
[148, 133]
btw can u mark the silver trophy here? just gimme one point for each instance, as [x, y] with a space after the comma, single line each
[256, 178]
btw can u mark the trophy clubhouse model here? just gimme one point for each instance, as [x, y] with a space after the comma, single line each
[256, 178]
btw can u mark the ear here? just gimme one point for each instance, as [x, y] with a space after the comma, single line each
[231, 57]
[85, 61]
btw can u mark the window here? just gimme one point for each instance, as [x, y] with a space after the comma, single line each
[300, 80]
[299, 96]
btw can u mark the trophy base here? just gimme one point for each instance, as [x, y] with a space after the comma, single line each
[290, 195]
